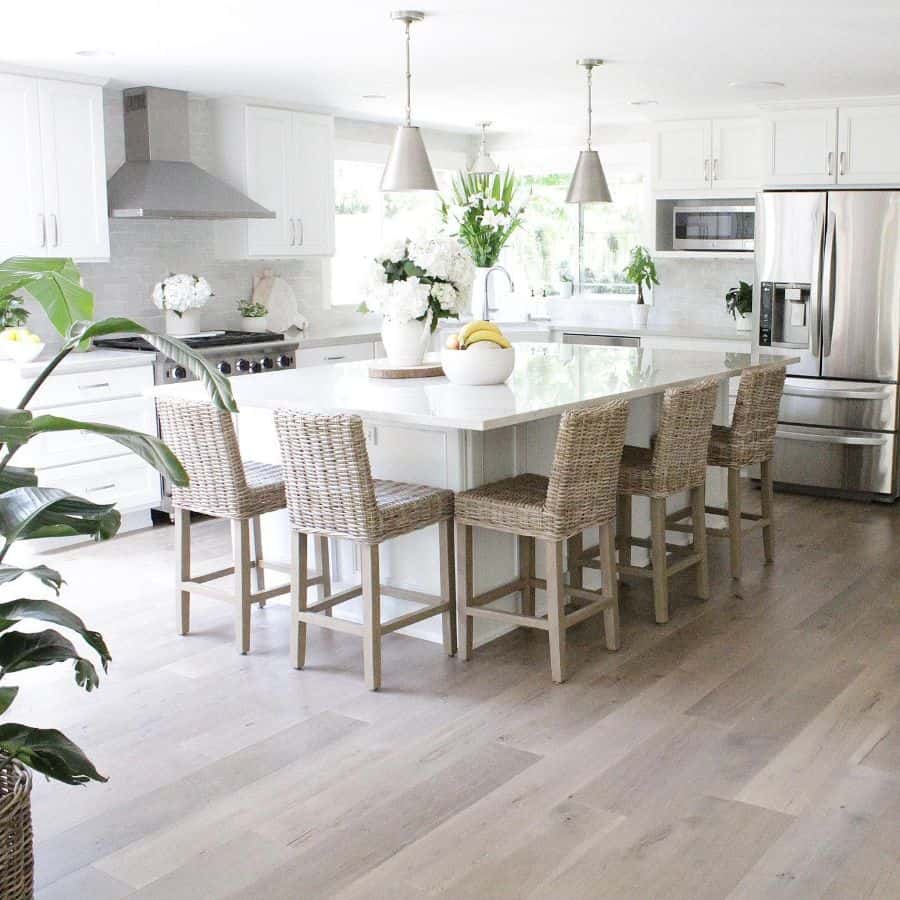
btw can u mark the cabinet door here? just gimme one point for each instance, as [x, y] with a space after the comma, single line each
[682, 153]
[736, 154]
[801, 147]
[312, 171]
[869, 145]
[74, 167]
[22, 230]
[269, 136]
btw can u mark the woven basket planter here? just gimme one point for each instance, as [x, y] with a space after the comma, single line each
[16, 848]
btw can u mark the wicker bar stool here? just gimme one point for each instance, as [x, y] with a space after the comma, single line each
[224, 486]
[580, 493]
[330, 491]
[750, 440]
[676, 462]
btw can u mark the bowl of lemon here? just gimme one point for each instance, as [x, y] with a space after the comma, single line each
[478, 354]
[20, 344]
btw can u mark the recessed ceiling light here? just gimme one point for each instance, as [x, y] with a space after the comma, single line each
[755, 84]
[96, 51]
[374, 96]
[644, 102]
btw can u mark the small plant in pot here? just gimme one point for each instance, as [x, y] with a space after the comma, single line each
[566, 282]
[641, 271]
[739, 302]
[253, 315]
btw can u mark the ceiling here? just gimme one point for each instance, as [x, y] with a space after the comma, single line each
[513, 63]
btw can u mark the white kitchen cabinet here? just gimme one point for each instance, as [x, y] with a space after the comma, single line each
[52, 169]
[800, 146]
[869, 144]
[707, 155]
[284, 160]
[336, 353]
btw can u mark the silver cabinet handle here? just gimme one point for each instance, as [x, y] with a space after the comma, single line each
[300, 241]
[101, 487]
[706, 170]
[42, 230]
[716, 169]
[90, 387]
[54, 227]
[826, 394]
[847, 440]
[293, 232]
[842, 158]
[334, 358]
[829, 163]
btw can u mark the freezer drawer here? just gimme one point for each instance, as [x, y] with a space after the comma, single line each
[839, 404]
[842, 460]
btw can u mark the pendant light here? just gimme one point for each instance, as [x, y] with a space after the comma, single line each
[483, 164]
[408, 167]
[588, 183]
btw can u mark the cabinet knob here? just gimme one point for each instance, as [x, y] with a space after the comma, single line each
[243, 365]
[224, 367]
[179, 373]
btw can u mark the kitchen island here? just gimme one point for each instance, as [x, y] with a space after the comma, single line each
[432, 432]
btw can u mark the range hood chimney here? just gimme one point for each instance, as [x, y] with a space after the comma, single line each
[157, 179]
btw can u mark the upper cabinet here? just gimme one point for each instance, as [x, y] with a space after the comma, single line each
[854, 144]
[709, 155]
[52, 169]
[285, 161]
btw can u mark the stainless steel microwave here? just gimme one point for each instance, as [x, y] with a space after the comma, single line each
[713, 227]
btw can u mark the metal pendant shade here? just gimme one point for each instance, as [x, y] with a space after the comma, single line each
[588, 184]
[408, 167]
[483, 164]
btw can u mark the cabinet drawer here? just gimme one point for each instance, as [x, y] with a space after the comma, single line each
[326, 356]
[66, 447]
[123, 480]
[88, 387]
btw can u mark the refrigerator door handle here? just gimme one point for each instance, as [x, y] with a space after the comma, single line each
[857, 440]
[816, 287]
[828, 284]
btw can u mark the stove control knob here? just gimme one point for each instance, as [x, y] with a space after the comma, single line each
[284, 361]
[256, 366]
[243, 365]
[267, 362]
[224, 367]
[179, 373]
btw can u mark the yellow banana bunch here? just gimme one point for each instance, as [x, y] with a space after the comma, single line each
[477, 332]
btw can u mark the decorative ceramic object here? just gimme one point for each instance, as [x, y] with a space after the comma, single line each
[187, 323]
[491, 365]
[743, 323]
[278, 297]
[639, 313]
[406, 342]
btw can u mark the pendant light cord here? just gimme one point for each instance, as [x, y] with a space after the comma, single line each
[590, 71]
[408, 80]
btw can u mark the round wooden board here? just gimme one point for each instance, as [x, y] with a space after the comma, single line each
[381, 368]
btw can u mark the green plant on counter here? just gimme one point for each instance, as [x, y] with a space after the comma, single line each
[739, 300]
[28, 511]
[12, 312]
[250, 309]
[641, 271]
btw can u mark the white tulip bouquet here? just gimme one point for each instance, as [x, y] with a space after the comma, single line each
[180, 293]
[409, 279]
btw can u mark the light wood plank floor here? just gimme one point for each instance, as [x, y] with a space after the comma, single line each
[748, 749]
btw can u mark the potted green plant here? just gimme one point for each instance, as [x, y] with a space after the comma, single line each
[253, 315]
[566, 282]
[739, 302]
[641, 271]
[28, 511]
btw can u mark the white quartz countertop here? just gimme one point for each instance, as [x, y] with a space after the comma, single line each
[674, 331]
[89, 361]
[548, 379]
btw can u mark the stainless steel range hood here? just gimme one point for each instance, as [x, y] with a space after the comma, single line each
[157, 179]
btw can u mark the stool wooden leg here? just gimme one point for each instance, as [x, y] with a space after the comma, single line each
[371, 586]
[324, 589]
[183, 571]
[698, 520]
[767, 496]
[556, 601]
[526, 570]
[464, 588]
[574, 549]
[448, 584]
[658, 559]
[299, 600]
[258, 557]
[610, 585]
[623, 527]
[240, 539]
[734, 521]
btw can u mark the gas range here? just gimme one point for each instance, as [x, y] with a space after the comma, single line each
[232, 352]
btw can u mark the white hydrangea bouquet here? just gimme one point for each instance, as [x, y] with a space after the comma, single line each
[424, 280]
[180, 293]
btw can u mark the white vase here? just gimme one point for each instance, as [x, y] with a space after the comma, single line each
[254, 323]
[187, 323]
[406, 342]
[478, 292]
[639, 313]
[742, 323]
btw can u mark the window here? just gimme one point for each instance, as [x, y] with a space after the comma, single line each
[365, 218]
[545, 252]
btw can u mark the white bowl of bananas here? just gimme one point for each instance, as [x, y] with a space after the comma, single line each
[478, 354]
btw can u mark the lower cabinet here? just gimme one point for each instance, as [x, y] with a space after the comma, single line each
[338, 353]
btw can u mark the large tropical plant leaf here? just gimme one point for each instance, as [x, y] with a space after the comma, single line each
[216, 384]
[16, 476]
[21, 650]
[15, 427]
[7, 695]
[47, 576]
[55, 283]
[48, 751]
[48, 611]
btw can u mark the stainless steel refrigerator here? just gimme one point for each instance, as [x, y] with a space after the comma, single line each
[828, 283]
